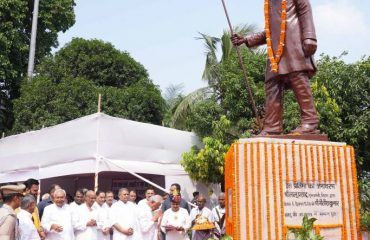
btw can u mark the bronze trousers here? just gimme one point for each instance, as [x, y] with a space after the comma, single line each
[274, 88]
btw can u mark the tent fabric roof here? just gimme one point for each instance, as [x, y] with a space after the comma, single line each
[96, 141]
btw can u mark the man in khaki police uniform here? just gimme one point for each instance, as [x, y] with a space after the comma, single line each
[12, 195]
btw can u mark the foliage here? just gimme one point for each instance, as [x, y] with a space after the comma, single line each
[364, 190]
[223, 238]
[95, 60]
[207, 164]
[212, 73]
[306, 232]
[349, 86]
[62, 91]
[15, 34]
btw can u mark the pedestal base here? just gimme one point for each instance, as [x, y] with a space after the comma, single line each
[271, 183]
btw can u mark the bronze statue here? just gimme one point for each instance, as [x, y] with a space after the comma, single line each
[290, 33]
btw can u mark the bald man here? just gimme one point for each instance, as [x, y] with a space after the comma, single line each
[85, 219]
[201, 210]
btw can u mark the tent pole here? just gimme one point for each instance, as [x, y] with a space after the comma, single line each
[96, 176]
[99, 102]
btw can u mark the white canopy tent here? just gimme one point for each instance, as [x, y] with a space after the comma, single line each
[97, 143]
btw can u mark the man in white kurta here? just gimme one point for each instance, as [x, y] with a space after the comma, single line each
[102, 220]
[57, 219]
[219, 216]
[85, 218]
[26, 228]
[205, 212]
[148, 217]
[148, 193]
[176, 221]
[123, 216]
[78, 200]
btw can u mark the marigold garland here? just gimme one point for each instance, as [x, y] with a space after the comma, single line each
[246, 174]
[335, 158]
[355, 187]
[281, 191]
[342, 195]
[259, 196]
[254, 226]
[329, 163]
[300, 162]
[313, 164]
[318, 158]
[294, 163]
[273, 159]
[286, 162]
[275, 59]
[324, 160]
[349, 194]
[237, 194]
[307, 165]
[266, 160]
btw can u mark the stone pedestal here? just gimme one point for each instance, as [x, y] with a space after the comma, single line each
[271, 183]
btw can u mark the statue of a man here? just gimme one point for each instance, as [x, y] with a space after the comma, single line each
[291, 44]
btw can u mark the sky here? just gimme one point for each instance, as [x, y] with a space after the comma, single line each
[161, 34]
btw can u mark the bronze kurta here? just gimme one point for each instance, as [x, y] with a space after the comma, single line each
[299, 27]
[295, 67]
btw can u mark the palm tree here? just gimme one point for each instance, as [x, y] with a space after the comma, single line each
[211, 72]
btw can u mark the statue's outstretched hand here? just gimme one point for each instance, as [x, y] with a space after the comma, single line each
[309, 47]
[237, 39]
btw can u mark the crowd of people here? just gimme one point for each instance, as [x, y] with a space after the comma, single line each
[99, 216]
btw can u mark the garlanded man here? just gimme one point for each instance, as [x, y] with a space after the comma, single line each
[291, 43]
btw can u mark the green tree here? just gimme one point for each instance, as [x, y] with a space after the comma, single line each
[211, 73]
[64, 91]
[349, 86]
[15, 32]
[95, 60]
[207, 164]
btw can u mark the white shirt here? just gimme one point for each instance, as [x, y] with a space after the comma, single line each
[26, 230]
[124, 214]
[102, 220]
[57, 215]
[142, 202]
[218, 212]
[180, 218]
[147, 226]
[205, 212]
[83, 215]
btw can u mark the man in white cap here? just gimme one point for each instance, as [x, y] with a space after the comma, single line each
[12, 196]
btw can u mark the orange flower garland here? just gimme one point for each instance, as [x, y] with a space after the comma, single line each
[355, 188]
[275, 59]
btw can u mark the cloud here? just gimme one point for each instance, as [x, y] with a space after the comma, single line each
[341, 27]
